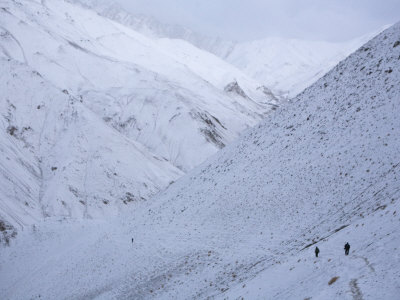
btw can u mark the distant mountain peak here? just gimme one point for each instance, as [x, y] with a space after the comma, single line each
[285, 66]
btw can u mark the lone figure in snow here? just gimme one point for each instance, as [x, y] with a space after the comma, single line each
[132, 240]
[347, 248]
[316, 251]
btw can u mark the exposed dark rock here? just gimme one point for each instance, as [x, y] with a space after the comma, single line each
[12, 130]
[7, 232]
[235, 88]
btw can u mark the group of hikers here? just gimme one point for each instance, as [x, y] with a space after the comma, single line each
[346, 249]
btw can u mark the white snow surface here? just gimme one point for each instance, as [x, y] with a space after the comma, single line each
[320, 171]
[96, 114]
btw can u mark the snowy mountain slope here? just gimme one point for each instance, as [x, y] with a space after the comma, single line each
[153, 107]
[287, 66]
[60, 159]
[321, 171]
[369, 272]
[178, 42]
[221, 74]
[20, 182]
[153, 28]
[139, 88]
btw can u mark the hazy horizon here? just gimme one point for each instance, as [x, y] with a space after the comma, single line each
[330, 20]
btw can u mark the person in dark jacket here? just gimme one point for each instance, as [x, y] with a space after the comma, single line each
[346, 248]
[316, 251]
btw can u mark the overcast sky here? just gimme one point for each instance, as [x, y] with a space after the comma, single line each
[331, 20]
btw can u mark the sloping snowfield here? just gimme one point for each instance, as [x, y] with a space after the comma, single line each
[320, 171]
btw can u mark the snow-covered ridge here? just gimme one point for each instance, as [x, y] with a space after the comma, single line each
[321, 170]
[153, 28]
[157, 108]
[287, 66]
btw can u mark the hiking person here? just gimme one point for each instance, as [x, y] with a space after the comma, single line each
[346, 248]
[316, 251]
[132, 240]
